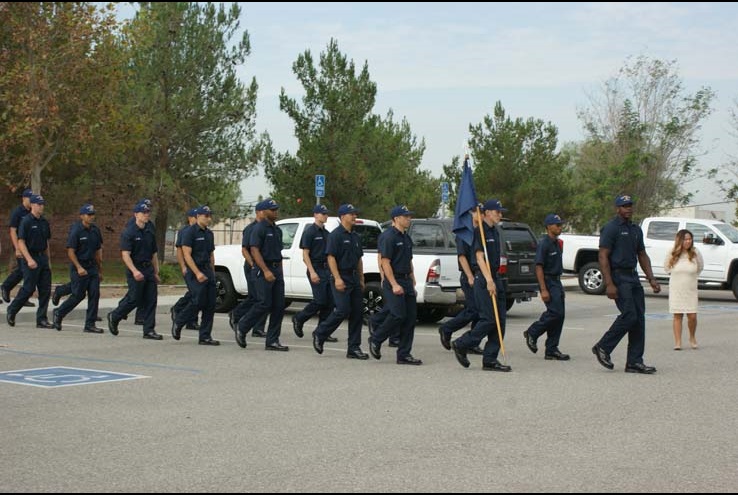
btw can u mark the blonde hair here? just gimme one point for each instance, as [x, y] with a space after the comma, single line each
[678, 249]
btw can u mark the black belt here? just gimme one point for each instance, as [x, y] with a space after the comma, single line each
[143, 264]
[273, 264]
[347, 272]
[86, 263]
[36, 253]
[320, 264]
[625, 271]
[553, 277]
[402, 275]
[492, 269]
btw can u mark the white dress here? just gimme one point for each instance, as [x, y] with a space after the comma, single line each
[683, 283]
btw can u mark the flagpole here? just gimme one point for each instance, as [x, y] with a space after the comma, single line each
[494, 299]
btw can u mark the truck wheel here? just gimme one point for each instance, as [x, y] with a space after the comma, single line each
[372, 299]
[509, 303]
[735, 286]
[225, 294]
[431, 315]
[591, 280]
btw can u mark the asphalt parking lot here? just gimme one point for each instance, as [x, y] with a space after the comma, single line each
[229, 419]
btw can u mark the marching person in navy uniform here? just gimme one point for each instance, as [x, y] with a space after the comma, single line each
[16, 274]
[398, 288]
[198, 245]
[377, 319]
[249, 271]
[487, 284]
[621, 249]
[469, 314]
[34, 233]
[84, 250]
[347, 275]
[139, 319]
[313, 245]
[138, 250]
[183, 301]
[266, 250]
[548, 272]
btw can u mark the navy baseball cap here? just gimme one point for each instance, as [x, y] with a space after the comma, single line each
[203, 210]
[37, 199]
[192, 212]
[320, 209]
[27, 193]
[142, 208]
[145, 201]
[87, 209]
[345, 209]
[623, 200]
[493, 204]
[552, 219]
[400, 211]
[267, 204]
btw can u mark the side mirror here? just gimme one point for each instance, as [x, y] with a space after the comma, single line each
[711, 239]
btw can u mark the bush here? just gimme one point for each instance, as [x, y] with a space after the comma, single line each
[170, 274]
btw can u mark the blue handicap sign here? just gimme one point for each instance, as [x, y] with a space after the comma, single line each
[444, 192]
[63, 376]
[320, 186]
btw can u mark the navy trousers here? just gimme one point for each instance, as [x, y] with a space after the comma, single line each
[202, 299]
[486, 326]
[403, 311]
[552, 320]
[81, 287]
[14, 277]
[631, 302]
[245, 305]
[37, 279]
[322, 303]
[141, 296]
[349, 304]
[269, 302]
[468, 315]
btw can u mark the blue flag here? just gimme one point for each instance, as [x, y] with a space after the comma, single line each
[465, 201]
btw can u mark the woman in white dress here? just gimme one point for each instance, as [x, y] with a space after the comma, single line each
[684, 265]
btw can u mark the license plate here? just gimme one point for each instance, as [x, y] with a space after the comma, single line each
[524, 269]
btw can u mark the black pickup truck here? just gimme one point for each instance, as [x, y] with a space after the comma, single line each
[518, 252]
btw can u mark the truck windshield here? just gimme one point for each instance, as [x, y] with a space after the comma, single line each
[520, 240]
[728, 231]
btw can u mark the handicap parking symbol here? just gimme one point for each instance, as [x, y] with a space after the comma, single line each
[63, 376]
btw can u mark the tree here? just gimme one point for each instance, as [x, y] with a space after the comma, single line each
[516, 161]
[641, 140]
[370, 161]
[726, 176]
[51, 86]
[200, 118]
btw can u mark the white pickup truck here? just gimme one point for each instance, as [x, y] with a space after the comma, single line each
[717, 241]
[437, 275]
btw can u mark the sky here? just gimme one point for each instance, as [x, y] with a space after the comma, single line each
[443, 66]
